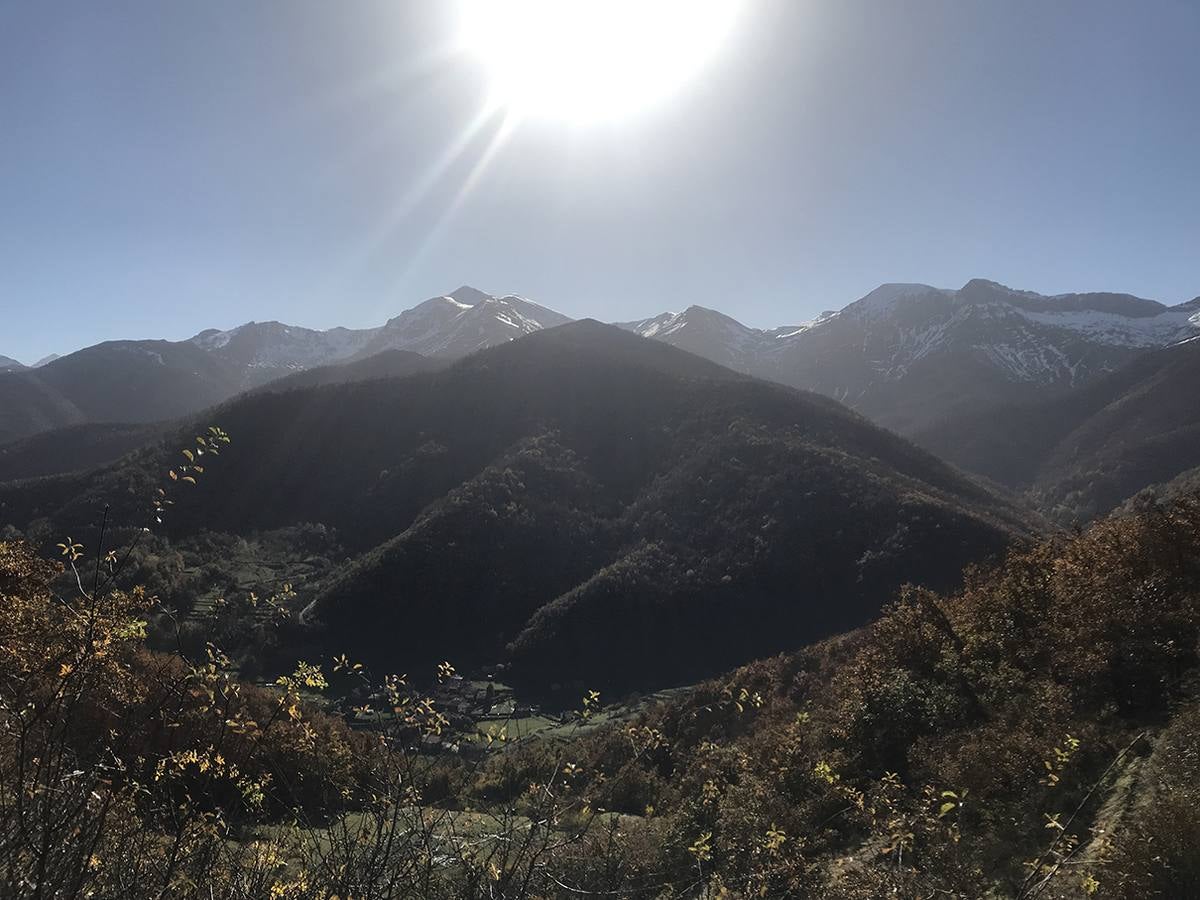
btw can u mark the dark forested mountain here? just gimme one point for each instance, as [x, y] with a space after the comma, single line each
[8, 364]
[147, 381]
[909, 355]
[74, 448]
[578, 496]
[1084, 453]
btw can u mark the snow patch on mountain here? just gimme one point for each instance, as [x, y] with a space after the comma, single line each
[460, 323]
[455, 324]
[1026, 336]
[1018, 336]
[886, 299]
[1117, 330]
[212, 339]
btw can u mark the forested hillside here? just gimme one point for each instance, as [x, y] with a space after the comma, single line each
[1031, 735]
[574, 496]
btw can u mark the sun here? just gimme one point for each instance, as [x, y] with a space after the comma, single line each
[590, 60]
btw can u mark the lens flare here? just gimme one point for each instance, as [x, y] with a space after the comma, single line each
[582, 60]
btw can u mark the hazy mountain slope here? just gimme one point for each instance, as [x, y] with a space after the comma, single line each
[1011, 443]
[1148, 434]
[536, 470]
[8, 364]
[140, 381]
[1084, 453]
[28, 405]
[117, 381]
[910, 355]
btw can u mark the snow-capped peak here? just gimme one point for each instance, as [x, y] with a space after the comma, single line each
[215, 339]
[887, 297]
[985, 332]
[453, 324]
[468, 296]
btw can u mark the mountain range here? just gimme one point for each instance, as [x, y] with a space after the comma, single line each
[556, 501]
[154, 380]
[905, 355]
[909, 355]
[967, 373]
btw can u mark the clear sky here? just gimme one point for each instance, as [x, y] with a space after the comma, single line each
[171, 166]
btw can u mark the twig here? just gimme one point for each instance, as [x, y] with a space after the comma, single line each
[1037, 888]
[100, 551]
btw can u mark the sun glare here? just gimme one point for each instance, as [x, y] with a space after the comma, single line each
[588, 60]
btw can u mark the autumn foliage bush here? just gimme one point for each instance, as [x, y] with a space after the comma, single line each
[1031, 735]
[979, 743]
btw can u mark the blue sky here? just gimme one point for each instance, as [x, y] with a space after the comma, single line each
[167, 167]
